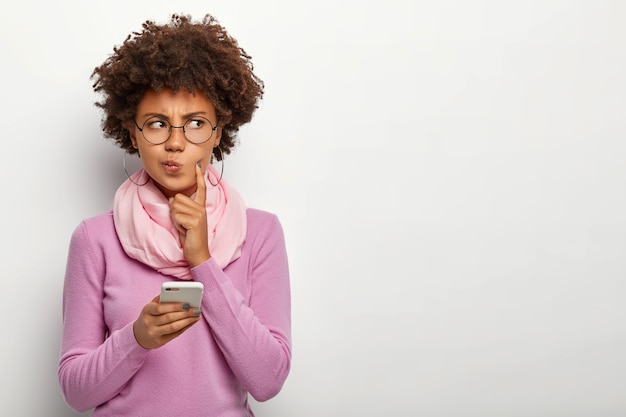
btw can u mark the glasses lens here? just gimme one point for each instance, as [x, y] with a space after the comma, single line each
[156, 131]
[198, 130]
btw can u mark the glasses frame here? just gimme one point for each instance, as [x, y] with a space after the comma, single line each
[171, 126]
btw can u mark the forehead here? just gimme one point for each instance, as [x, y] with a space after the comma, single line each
[172, 104]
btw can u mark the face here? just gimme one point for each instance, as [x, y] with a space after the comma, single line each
[172, 164]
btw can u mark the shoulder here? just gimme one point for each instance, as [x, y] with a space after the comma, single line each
[98, 223]
[258, 217]
[91, 239]
[263, 225]
[265, 243]
[96, 228]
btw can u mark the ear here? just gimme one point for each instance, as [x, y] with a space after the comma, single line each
[133, 137]
[218, 136]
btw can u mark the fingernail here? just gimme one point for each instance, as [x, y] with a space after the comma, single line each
[186, 306]
[196, 312]
[199, 164]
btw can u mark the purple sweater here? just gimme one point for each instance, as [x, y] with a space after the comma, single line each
[242, 344]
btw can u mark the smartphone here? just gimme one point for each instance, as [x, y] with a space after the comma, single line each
[182, 292]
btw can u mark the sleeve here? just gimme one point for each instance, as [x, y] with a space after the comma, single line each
[256, 338]
[93, 368]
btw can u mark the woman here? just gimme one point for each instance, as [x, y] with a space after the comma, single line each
[176, 94]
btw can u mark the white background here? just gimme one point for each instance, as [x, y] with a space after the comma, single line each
[449, 175]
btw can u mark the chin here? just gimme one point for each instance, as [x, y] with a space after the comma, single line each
[169, 190]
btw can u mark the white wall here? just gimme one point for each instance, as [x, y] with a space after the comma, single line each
[449, 174]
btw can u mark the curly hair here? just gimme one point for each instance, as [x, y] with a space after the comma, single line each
[181, 54]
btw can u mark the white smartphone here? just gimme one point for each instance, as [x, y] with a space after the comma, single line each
[182, 292]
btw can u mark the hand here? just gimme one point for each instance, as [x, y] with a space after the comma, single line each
[189, 216]
[158, 324]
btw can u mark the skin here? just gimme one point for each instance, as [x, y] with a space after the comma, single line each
[173, 166]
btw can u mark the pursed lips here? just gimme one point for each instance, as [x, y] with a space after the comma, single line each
[172, 166]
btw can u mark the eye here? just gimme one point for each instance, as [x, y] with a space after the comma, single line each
[156, 124]
[195, 124]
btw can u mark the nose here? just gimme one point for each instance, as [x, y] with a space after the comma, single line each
[176, 141]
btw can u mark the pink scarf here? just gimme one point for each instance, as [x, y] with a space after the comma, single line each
[145, 228]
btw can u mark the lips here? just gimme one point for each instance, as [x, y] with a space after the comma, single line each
[172, 166]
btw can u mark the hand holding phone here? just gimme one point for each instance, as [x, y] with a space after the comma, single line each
[149, 329]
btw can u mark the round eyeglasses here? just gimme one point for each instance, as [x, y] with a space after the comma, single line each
[196, 130]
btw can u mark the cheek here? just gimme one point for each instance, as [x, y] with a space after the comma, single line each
[204, 155]
[147, 156]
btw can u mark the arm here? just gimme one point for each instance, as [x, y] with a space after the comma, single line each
[92, 369]
[255, 339]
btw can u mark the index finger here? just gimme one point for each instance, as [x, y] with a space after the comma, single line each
[201, 185]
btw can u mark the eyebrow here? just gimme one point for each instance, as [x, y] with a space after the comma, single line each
[185, 116]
